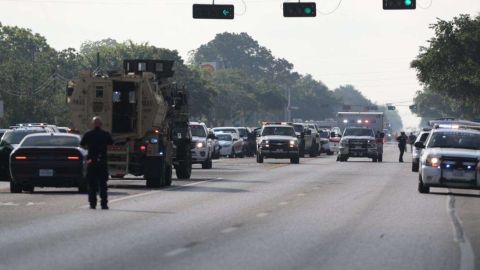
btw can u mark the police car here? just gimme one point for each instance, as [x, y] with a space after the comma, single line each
[450, 159]
[278, 141]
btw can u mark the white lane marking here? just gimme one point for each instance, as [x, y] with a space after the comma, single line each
[263, 214]
[9, 204]
[176, 252]
[467, 256]
[315, 188]
[300, 194]
[34, 203]
[283, 203]
[156, 191]
[229, 230]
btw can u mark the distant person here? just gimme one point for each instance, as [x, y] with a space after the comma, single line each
[96, 141]
[402, 145]
[411, 140]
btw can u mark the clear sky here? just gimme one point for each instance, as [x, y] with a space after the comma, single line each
[359, 44]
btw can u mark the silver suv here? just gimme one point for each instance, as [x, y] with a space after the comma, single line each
[202, 148]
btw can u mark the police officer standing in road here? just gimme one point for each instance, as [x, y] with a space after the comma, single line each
[96, 141]
[402, 144]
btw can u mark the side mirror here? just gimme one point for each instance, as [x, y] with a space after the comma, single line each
[420, 145]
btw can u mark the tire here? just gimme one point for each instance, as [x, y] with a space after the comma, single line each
[380, 158]
[232, 154]
[415, 167]
[183, 168]
[15, 188]
[155, 172]
[207, 164]
[313, 151]
[168, 175]
[421, 187]
[28, 188]
[374, 160]
[259, 158]
[295, 160]
[329, 153]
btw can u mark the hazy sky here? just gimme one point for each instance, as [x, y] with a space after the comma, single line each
[359, 44]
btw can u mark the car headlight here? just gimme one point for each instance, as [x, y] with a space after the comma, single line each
[200, 145]
[293, 143]
[433, 161]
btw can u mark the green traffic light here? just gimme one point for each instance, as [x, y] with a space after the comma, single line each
[307, 10]
[226, 12]
[408, 3]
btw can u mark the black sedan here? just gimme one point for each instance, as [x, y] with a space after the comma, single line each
[48, 160]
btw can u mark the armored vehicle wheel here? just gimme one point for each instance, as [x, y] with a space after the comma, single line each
[184, 169]
[28, 188]
[168, 175]
[155, 172]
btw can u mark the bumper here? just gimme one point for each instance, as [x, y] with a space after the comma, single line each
[292, 152]
[226, 150]
[199, 155]
[358, 152]
[433, 177]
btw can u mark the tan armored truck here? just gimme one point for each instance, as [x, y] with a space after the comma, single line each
[145, 112]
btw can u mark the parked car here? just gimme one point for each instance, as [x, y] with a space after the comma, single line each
[48, 160]
[230, 146]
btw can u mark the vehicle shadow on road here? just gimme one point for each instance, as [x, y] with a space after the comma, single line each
[207, 189]
[141, 211]
[455, 194]
[73, 193]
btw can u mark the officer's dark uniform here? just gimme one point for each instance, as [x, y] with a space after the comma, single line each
[96, 141]
[402, 145]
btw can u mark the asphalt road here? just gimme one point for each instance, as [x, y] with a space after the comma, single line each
[320, 214]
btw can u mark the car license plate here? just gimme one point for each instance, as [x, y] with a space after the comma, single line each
[459, 174]
[45, 172]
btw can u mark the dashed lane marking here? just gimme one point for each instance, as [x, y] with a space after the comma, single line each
[176, 252]
[283, 203]
[229, 230]
[300, 194]
[262, 214]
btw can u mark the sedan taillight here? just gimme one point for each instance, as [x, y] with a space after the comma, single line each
[20, 157]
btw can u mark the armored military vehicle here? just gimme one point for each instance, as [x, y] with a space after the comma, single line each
[146, 113]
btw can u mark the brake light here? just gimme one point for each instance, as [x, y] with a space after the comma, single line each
[73, 158]
[143, 148]
[20, 158]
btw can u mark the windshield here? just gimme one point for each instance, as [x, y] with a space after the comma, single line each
[224, 137]
[198, 131]
[454, 140]
[298, 128]
[280, 131]
[16, 136]
[225, 130]
[324, 134]
[243, 132]
[53, 141]
[358, 132]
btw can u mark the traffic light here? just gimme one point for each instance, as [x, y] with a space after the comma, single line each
[305, 9]
[399, 4]
[391, 108]
[206, 11]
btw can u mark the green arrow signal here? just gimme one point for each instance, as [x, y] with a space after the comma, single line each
[226, 12]
[408, 3]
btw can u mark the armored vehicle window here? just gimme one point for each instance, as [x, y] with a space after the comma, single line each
[99, 91]
[142, 66]
[159, 67]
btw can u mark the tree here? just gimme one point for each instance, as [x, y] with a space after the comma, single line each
[450, 66]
